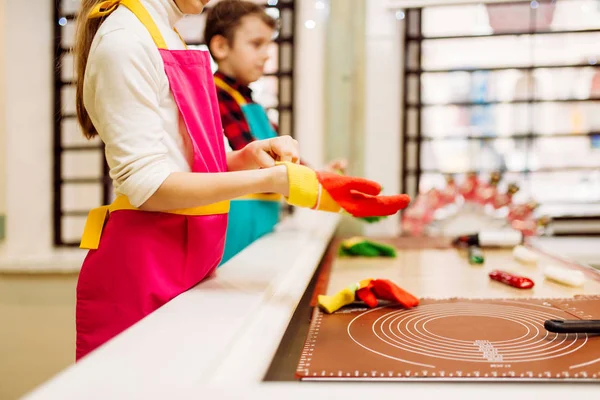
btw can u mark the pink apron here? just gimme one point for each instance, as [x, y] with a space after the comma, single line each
[141, 260]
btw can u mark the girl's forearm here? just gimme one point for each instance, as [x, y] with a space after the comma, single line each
[186, 189]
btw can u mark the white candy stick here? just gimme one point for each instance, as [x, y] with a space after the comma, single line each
[565, 276]
[523, 254]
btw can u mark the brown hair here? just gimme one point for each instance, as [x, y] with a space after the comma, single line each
[84, 35]
[226, 16]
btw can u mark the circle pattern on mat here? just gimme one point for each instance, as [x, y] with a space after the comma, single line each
[467, 332]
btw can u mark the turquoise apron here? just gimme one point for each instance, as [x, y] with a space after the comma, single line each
[253, 216]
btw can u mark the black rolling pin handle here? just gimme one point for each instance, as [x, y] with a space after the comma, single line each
[572, 326]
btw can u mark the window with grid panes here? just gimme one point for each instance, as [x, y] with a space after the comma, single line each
[80, 174]
[510, 87]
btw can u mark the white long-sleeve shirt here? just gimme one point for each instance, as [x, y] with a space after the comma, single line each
[126, 93]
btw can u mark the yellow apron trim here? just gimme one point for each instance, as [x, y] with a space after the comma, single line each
[262, 197]
[105, 8]
[93, 228]
[97, 218]
[232, 92]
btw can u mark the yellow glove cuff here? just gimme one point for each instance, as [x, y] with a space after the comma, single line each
[306, 191]
[304, 186]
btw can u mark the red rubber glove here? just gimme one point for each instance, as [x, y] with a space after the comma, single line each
[367, 296]
[360, 197]
[384, 289]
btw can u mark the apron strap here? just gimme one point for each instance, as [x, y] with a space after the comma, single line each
[140, 11]
[94, 225]
[180, 37]
[237, 96]
[274, 197]
[105, 8]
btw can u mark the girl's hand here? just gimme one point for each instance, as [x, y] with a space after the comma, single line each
[264, 153]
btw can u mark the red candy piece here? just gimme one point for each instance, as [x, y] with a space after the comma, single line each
[527, 228]
[522, 211]
[419, 213]
[501, 200]
[414, 226]
[450, 192]
[469, 187]
[505, 199]
[519, 282]
[531, 227]
[433, 199]
[486, 192]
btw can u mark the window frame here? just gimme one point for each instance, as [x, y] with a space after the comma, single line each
[411, 142]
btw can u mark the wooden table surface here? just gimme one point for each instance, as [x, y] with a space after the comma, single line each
[442, 272]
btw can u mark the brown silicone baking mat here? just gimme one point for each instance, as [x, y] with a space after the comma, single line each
[453, 339]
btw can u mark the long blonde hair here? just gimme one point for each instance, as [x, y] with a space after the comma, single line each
[84, 35]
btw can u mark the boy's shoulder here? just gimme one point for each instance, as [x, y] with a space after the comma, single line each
[232, 84]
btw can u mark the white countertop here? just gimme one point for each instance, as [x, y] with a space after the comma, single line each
[398, 4]
[227, 330]
[583, 250]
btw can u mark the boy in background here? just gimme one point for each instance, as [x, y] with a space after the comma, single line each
[238, 34]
